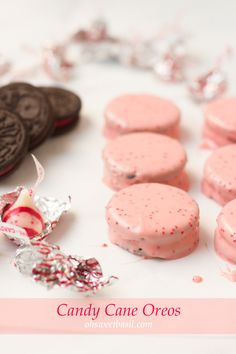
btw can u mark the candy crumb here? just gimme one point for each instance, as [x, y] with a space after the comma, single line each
[104, 245]
[197, 279]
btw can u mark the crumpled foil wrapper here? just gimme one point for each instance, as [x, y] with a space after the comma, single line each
[137, 53]
[166, 56]
[208, 86]
[45, 262]
[163, 54]
[169, 68]
[171, 58]
[95, 43]
[49, 266]
[56, 64]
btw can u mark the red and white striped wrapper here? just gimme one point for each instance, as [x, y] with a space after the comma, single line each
[46, 263]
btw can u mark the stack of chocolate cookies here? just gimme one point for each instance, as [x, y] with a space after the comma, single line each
[29, 115]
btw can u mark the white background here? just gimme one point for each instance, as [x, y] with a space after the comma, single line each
[74, 167]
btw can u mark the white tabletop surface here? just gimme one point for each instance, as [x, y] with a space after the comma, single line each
[74, 167]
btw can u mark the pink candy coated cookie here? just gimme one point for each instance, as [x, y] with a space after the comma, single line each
[219, 181]
[139, 113]
[154, 220]
[144, 157]
[225, 235]
[220, 123]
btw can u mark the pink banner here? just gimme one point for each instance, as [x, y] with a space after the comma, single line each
[186, 316]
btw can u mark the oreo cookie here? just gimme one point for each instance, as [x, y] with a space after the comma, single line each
[13, 141]
[32, 105]
[65, 106]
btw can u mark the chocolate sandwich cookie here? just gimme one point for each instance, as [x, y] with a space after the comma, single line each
[13, 141]
[32, 105]
[65, 106]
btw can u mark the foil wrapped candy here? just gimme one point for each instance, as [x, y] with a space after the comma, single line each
[171, 57]
[208, 86]
[56, 64]
[46, 263]
[211, 83]
[95, 43]
[166, 56]
[59, 61]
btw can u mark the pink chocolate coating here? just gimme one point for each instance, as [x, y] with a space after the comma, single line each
[140, 113]
[154, 220]
[230, 274]
[220, 123]
[225, 235]
[144, 157]
[219, 181]
[213, 140]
